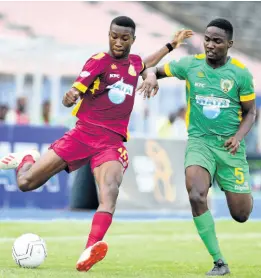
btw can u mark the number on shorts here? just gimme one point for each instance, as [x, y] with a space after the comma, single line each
[123, 153]
[240, 175]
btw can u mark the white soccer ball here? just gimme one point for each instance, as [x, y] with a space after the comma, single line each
[29, 251]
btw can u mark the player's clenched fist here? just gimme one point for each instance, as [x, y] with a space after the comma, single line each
[70, 98]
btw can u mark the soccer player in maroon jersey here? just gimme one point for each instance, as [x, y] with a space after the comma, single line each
[105, 90]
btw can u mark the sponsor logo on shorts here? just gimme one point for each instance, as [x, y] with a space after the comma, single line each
[243, 187]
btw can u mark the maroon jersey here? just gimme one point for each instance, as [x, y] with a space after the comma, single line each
[108, 91]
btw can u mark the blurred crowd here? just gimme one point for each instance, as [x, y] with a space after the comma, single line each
[19, 115]
[171, 127]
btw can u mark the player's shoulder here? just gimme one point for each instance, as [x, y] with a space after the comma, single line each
[99, 56]
[239, 68]
[198, 58]
[135, 58]
[137, 62]
[237, 64]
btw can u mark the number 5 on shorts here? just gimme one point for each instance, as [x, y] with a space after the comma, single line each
[124, 153]
[240, 175]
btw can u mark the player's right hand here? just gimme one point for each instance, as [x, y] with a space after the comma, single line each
[149, 87]
[70, 98]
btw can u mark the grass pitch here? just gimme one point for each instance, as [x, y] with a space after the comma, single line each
[136, 249]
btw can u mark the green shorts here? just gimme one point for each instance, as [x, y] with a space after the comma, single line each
[230, 171]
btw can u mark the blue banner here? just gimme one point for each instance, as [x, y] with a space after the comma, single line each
[53, 194]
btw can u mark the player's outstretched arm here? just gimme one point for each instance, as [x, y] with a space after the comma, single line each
[149, 87]
[70, 98]
[153, 59]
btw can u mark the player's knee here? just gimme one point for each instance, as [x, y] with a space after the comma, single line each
[113, 179]
[23, 184]
[240, 218]
[197, 197]
[112, 183]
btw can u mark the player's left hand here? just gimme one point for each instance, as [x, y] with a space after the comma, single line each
[232, 144]
[180, 36]
[149, 87]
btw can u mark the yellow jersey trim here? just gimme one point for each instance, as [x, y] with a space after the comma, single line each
[96, 85]
[167, 70]
[200, 56]
[98, 56]
[79, 86]
[237, 63]
[248, 97]
[76, 108]
[188, 105]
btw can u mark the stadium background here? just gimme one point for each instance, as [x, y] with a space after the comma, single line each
[43, 47]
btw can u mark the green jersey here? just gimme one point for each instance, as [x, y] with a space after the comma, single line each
[213, 95]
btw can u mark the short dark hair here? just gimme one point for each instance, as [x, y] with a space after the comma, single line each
[124, 21]
[223, 24]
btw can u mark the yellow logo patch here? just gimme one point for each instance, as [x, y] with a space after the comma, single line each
[132, 71]
[226, 85]
[201, 74]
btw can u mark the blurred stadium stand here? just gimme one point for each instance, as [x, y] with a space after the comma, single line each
[245, 17]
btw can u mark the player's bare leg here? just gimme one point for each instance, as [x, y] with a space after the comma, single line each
[198, 181]
[33, 171]
[109, 177]
[240, 205]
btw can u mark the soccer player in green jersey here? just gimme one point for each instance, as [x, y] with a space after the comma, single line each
[220, 112]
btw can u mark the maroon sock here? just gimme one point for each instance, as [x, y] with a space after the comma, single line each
[100, 224]
[26, 159]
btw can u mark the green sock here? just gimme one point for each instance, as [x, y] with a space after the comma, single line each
[206, 229]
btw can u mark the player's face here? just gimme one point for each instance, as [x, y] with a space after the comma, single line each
[216, 43]
[121, 39]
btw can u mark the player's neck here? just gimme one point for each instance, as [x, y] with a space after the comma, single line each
[217, 64]
[121, 58]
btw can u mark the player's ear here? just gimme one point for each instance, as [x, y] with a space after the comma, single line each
[230, 44]
[134, 38]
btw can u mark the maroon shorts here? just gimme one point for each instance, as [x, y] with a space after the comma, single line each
[88, 143]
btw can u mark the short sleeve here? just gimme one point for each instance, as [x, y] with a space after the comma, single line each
[178, 68]
[91, 70]
[246, 87]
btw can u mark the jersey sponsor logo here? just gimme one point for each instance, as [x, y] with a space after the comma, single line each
[114, 75]
[132, 71]
[113, 66]
[226, 85]
[118, 91]
[212, 105]
[200, 85]
[84, 74]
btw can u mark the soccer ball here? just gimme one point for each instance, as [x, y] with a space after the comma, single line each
[29, 251]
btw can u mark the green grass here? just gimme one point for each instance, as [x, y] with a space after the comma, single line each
[145, 250]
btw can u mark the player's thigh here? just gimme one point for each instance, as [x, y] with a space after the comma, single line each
[47, 166]
[240, 205]
[232, 172]
[233, 177]
[200, 166]
[109, 165]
